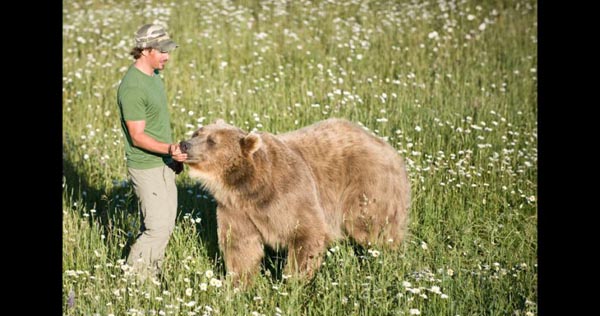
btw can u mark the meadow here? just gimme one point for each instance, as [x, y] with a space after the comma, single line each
[450, 84]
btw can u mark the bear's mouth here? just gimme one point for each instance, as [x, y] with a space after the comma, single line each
[191, 161]
[194, 159]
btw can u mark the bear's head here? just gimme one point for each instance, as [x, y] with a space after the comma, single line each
[221, 153]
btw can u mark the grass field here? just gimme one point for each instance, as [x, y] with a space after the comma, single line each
[450, 84]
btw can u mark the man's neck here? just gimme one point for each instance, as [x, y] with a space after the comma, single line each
[144, 67]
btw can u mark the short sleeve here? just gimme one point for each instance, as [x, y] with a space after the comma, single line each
[133, 104]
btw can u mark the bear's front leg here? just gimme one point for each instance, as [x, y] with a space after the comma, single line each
[242, 247]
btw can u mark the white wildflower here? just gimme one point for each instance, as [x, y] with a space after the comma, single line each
[216, 282]
[190, 303]
[435, 289]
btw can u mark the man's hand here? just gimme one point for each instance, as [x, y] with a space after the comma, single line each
[178, 158]
[176, 153]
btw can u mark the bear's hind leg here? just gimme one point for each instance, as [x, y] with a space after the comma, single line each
[305, 255]
[373, 221]
[359, 222]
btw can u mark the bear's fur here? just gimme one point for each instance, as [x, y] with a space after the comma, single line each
[299, 190]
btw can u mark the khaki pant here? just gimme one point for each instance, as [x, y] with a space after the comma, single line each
[157, 195]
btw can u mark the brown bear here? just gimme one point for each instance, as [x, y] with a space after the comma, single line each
[299, 190]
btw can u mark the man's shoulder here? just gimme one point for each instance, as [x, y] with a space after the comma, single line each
[130, 83]
[130, 77]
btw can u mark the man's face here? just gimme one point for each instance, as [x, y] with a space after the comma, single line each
[158, 59]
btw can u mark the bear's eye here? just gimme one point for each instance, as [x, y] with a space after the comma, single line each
[210, 141]
[197, 132]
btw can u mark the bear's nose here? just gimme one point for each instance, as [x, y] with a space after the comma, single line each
[184, 146]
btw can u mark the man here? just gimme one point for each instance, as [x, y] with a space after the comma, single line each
[152, 158]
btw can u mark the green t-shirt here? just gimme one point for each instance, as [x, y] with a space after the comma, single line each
[142, 97]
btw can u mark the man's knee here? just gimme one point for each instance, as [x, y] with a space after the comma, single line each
[159, 231]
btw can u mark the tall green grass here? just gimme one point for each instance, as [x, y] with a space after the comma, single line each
[451, 85]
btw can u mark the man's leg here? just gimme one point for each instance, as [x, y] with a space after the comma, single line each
[157, 195]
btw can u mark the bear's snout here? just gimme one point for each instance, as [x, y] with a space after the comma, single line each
[184, 146]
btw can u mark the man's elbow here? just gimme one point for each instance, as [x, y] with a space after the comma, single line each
[135, 141]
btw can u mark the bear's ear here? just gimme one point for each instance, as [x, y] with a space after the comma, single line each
[250, 144]
[220, 122]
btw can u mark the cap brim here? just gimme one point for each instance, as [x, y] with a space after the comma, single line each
[167, 45]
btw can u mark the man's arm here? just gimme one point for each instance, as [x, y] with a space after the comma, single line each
[144, 141]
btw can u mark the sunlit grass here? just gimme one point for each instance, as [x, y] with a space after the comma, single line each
[451, 85]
